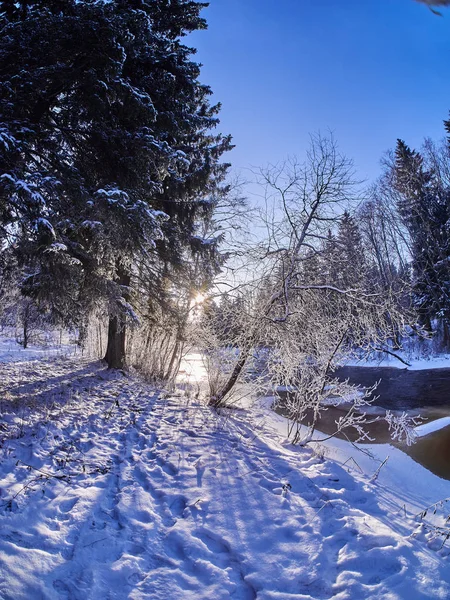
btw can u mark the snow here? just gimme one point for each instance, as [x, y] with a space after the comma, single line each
[91, 224]
[431, 427]
[56, 247]
[40, 221]
[112, 489]
[418, 363]
[113, 195]
[7, 139]
[11, 351]
[26, 187]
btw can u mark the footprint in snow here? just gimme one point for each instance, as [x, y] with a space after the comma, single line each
[177, 506]
[167, 467]
[375, 565]
[200, 468]
[135, 578]
[67, 505]
[61, 588]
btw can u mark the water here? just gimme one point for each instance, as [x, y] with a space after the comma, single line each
[425, 392]
[400, 389]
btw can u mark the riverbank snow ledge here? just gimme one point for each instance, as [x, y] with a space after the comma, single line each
[432, 426]
[111, 489]
[440, 361]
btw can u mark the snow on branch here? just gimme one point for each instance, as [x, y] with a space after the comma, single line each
[402, 427]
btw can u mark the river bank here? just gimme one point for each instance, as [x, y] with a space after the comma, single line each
[418, 392]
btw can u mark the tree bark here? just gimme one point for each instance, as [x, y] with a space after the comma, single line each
[115, 356]
[26, 325]
[445, 334]
[25, 335]
[238, 368]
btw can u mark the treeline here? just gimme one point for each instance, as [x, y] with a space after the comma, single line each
[388, 242]
[405, 226]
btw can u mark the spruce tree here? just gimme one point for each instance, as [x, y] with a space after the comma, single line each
[424, 206]
[351, 264]
[108, 149]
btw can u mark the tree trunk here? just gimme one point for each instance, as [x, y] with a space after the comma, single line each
[425, 320]
[445, 334]
[115, 351]
[173, 358]
[232, 379]
[25, 335]
[115, 356]
[26, 323]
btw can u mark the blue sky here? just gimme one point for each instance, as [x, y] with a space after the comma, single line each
[370, 70]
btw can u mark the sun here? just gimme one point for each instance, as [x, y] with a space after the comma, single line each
[199, 298]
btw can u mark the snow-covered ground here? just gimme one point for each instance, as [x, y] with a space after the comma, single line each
[10, 350]
[415, 363]
[432, 426]
[111, 489]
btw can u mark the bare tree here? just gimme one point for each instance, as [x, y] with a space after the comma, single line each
[294, 319]
[166, 298]
[302, 201]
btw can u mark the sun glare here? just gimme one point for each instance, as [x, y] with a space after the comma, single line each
[199, 298]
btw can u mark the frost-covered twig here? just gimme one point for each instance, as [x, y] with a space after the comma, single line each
[437, 530]
[402, 427]
[377, 472]
[351, 458]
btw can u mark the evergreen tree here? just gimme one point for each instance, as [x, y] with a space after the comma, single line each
[424, 206]
[351, 264]
[108, 154]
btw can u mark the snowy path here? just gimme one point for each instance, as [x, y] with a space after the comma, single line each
[158, 497]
